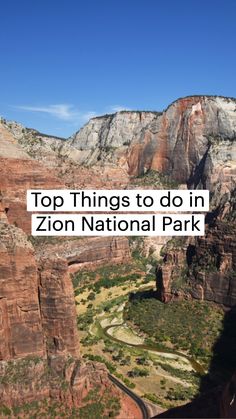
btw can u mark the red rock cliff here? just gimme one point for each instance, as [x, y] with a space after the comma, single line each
[39, 346]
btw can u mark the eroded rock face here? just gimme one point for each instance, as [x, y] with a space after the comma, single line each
[174, 258]
[201, 268]
[213, 265]
[56, 299]
[22, 347]
[21, 328]
[109, 136]
[193, 141]
[35, 162]
[16, 176]
[89, 252]
[19, 172]
[39, 346]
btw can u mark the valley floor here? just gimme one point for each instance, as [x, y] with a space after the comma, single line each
[157, 371]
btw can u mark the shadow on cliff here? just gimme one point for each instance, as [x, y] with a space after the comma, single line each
[141, 295]
[223, 363]
[210, 402]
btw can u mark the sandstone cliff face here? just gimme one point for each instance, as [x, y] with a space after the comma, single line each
[169, 274]
[31, 143]
[202, 268]
[22, 348]
[30, 161]
[19, 172]
[56, 299]
[212, 265]
[21, 329]
[109, 136]
[193, 141]
[88, 252]
[39, 346]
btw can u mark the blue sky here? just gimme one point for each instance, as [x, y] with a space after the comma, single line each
[63, 61]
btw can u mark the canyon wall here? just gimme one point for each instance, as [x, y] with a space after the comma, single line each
[21, 328]
[19, 172]
[87, 253]
[202, 268]
[22, 346]
[39, 345]
[191, 143]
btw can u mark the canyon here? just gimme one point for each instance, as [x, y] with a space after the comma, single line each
[192, 144]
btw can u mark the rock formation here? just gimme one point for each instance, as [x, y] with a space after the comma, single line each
[212, 265]
[19, 172]
[22, 348]
[21, 328]
[56, 299]
[202, 268]
[193, 141]
[88, 253]
[192, 144]
[39, 345]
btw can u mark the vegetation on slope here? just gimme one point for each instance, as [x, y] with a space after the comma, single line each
[191, 326]
[155, 179]
[95, 405]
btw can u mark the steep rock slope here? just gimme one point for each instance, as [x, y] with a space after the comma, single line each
[39, 346]
[22, 346]
[21, 328]
[88, 252]
[56, 299]
[110, 135]
[60, 155]
[193, 140]
[202, 268]
[19, 172]
[192, 143]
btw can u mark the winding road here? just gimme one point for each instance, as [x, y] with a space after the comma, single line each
[146, 410]
[131, 394]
